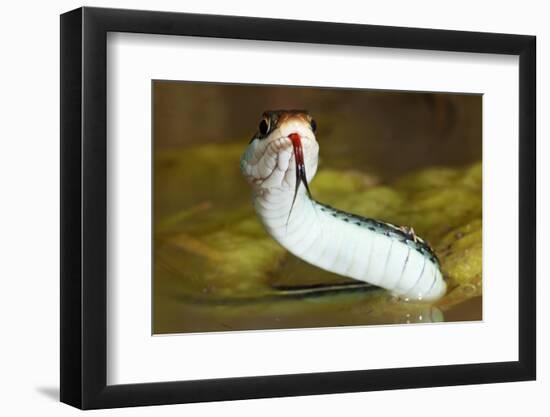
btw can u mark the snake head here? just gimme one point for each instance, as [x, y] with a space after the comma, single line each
[283, 152]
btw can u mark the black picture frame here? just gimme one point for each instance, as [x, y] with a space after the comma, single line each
[84, 207]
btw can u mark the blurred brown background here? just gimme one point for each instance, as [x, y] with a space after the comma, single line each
[389, 133]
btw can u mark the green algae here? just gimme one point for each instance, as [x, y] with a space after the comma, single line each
[215, 268]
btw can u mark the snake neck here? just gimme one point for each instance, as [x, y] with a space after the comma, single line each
[309, 231]
[285, 217]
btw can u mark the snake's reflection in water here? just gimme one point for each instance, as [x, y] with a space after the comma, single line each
[351, 299]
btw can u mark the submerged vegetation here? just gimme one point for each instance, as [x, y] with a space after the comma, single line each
[215, 268]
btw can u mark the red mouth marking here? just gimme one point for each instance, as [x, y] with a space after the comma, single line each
[300, 167]
[298, 151]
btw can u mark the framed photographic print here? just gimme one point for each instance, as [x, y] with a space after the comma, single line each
[256, 208]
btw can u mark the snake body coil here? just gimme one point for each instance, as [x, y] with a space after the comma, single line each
[281, 156]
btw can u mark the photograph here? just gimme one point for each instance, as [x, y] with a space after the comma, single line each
[292, 207]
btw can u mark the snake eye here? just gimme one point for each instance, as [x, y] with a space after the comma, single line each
[264, 126]
[313, 125]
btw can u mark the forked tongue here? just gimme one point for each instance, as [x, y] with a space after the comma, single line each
[300, 167]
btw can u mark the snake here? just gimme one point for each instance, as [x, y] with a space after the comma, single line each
[279, 163]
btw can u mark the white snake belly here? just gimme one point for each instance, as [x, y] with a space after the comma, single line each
[351, 246]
